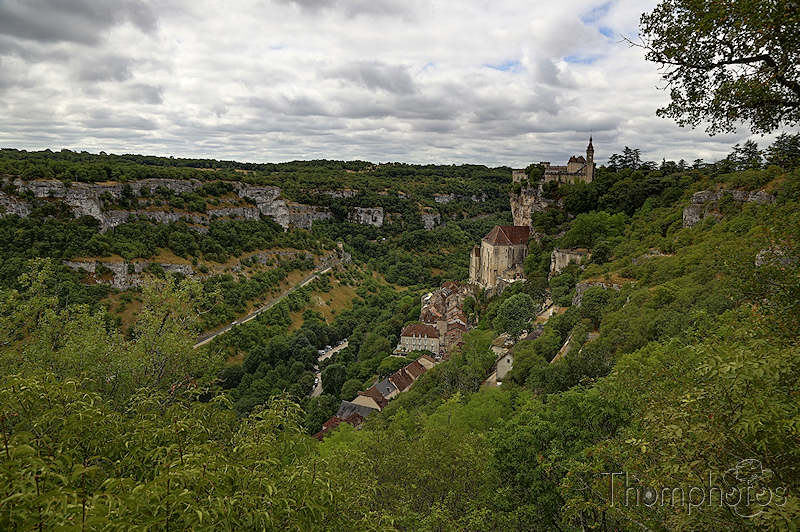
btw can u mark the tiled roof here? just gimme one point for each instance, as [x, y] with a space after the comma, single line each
[508, 235]
[401, 379]
[347, 409]
[335, 421]
[376, 395]
[415, 369]
[386, 387]
[420, 329]
[427, 361]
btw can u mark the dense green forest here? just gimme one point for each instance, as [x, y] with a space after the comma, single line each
[686, 370]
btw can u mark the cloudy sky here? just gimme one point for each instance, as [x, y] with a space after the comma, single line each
[499, 82]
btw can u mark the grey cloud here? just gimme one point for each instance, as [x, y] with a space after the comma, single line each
[376, 75]
[109, 68]
[144, 93]
[232, 95]
[355, 7]
[111, 119]
[80, 21]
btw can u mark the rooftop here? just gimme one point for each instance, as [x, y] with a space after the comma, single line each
[508, 235]
[420, 329]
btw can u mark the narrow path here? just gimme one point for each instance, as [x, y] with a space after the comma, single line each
[204, 339]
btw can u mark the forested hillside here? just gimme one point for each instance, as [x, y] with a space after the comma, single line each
[683, 362]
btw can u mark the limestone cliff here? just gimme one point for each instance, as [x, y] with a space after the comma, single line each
[706, 202]
[366, 216]
[88, 199]
[530, 200]
[99, 201]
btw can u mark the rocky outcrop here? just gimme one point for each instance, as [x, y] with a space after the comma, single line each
[87, 199]
[651, 254]
[125, 275]
[706, 203]
[444, 198]
[94, 199]
[775, 256]
[583, 286]
[339, 194]
[366, 216]
[528, 201]
[430, 219]
[302, 216]
[561, 258]
[11, 205]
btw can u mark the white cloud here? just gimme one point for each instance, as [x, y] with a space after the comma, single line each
[270, 80]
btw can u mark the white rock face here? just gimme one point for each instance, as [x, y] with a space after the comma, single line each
[366, 216]
[706, 202]
[561, 258]
[444, 198]
[126, 275]
[528, 201]
[11, 205]
[86, 199]
[430, 219]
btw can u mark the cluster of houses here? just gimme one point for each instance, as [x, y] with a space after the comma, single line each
[442, 322]
[442, 325]
[377, 396]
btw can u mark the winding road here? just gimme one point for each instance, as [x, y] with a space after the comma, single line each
[204, 339]
[317, 391]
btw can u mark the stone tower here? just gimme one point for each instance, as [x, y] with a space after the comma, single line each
[589, 161]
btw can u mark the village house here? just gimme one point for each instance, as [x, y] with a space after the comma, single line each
[354, 419]
[376, 397]
[444, 309]
[419, 337]
[371, 398]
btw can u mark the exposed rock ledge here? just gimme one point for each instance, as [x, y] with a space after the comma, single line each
[366, 216]
[528, 201]
[705, 203]
[86, 199]
[127, 274]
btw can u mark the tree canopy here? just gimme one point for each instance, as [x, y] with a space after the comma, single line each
[727, 61]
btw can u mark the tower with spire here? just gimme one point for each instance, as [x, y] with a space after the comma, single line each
[589, 161]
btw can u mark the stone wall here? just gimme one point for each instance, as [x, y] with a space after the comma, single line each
[706, 202]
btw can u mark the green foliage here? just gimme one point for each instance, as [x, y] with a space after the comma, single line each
[561, 287]
[589, 228]
[726, 62]
[514, 314]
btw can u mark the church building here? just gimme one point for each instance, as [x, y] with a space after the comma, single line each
[499, 258]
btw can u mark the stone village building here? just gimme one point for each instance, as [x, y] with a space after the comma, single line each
[419, 337]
